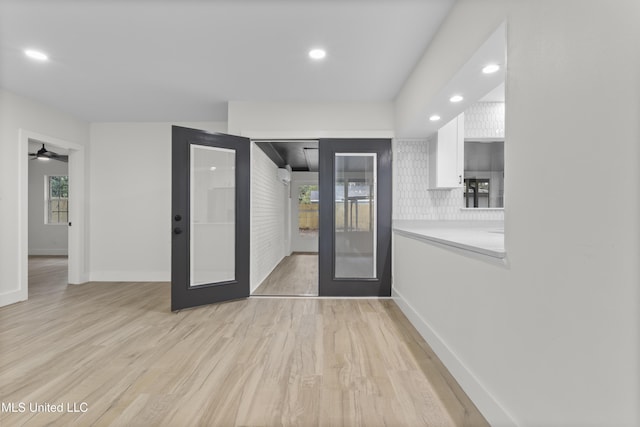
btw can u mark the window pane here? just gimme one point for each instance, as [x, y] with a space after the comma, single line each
[54, 187]
[64, 186]
[213, 204]
[355, 215]
[56, 198]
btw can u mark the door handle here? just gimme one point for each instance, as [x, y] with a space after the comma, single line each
[177, 230]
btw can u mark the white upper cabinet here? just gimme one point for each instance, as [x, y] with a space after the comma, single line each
[446, 156]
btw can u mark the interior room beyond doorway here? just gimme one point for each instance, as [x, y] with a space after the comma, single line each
[297, 273]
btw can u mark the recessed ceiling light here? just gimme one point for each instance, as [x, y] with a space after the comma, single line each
[491, 68]
[317, 53]
[212, 168]
[36, 54]
[456, 98]
[434, 118]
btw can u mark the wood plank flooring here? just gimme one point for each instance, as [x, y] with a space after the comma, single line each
[295, 275]
[254, 362]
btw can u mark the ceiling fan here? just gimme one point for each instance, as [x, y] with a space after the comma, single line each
[44, 154]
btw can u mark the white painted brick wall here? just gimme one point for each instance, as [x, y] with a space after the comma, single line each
[268, 217]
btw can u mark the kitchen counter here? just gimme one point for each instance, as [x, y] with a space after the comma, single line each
[482, 237]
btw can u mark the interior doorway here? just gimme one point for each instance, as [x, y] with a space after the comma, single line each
[48, 199]
[297, 272]
[48, 216]
[340, 217]
[74, 218]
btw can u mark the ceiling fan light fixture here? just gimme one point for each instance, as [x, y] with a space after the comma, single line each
[44, 154]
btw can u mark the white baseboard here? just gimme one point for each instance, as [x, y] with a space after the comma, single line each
[48, 252]
[12, 297]
[257, 284]
[130, 276]
[82, 279]
[495, 414]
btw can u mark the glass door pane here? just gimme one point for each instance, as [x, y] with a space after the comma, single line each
[355, 215]
[213, 201]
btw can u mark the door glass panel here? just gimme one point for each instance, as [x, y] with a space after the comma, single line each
[355, 215]
[213, 202]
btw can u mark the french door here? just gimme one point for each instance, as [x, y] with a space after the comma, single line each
[355, 217]
[210, 217]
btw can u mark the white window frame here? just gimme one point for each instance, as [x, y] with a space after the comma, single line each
[47, 200]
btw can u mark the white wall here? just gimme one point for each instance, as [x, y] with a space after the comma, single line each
[553, 339]
[311, 120]
[130, 196]
[269, 216]
[45, 239]
[19, 113]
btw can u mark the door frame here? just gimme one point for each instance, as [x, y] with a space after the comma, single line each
[76, 246]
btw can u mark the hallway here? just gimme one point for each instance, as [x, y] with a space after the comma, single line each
[295, 275]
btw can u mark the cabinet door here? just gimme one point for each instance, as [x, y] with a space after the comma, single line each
[447, 169]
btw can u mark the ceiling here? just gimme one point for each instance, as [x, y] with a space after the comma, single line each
[183, 60]
[301, 155]
[496, 95]
[469, 82]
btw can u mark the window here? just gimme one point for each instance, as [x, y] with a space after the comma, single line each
[56, 199]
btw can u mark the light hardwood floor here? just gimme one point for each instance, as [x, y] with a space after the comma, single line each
[254, 362]
[295, 275]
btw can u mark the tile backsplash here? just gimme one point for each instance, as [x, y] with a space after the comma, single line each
[484, 120]
[411, 197]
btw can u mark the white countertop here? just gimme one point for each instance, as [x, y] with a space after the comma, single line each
[483, 237]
